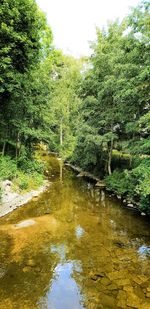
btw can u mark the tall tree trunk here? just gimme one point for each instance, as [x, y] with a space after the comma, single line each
[3, 150]
[18, 145]
[110, 156]
[61, 132]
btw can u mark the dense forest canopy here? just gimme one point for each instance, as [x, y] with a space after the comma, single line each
[93, 111]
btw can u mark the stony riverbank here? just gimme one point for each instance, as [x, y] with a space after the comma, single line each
[127, 202]
[12, 200]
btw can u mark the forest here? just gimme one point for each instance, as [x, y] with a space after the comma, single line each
[93, 111]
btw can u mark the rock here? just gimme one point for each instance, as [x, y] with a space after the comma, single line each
[119, 197]
[95, 276]
[25, 223]
[31, 263]
[130, 205]
[7, 183]
[133, 300]
[121, 300]
[105, 281]
[119, 244]
[143, 214]
[26, 269]
[124, 201]
[123, 282]
[148, 294]
[145, 306]
[112, 287]
[116, 275]
[35, 198]
[139, 279]
[128, 288]
[108, 302]
[100, 184]
[148, 289]
[35, 194]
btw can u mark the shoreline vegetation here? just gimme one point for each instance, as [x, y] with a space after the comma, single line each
[18, 185]
[101, 185]
[12, 200]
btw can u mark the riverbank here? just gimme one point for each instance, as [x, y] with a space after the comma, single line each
[127, 202]
[11, 200]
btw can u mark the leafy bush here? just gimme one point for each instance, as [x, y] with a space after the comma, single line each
[29, 166]
[134, 183]
[119, 182]
[142, 174]
[25, 174]
[8, 168]
[27, 181]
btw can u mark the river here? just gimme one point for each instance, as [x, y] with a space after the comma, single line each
[74, 247]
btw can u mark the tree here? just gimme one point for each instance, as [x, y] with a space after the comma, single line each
[25, 42]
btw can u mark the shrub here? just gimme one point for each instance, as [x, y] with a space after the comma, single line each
[119, 182]
[30, 166]
[134, 183]
[8, 168]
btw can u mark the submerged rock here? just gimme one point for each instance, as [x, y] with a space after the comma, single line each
[133, 300]
[25, 223]
[119, 244]
[121, 300]
[31, 263]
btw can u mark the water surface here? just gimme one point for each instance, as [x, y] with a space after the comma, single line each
[78, 249]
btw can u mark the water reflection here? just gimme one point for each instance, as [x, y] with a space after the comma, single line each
[64, 291]
[144, 251]
[79, 231]
[84, 251]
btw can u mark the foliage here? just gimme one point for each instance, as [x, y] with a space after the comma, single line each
[115, 122]
[94, 112]
[25, 174]
[134, 183]
[8, 168]
[23, 28]
[27, 182]
[119, 183]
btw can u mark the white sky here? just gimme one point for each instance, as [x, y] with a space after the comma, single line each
[73, 22]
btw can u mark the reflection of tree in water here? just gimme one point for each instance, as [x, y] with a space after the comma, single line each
[28, 279]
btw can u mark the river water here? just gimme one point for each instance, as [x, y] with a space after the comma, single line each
[73, 248]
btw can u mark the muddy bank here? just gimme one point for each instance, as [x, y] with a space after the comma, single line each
[12, 200]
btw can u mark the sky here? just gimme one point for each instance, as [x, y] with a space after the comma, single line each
[73, 22]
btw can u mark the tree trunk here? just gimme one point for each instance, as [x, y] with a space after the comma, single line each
[18, 145]
[110, 157]
[3, 150]
[61, 133]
